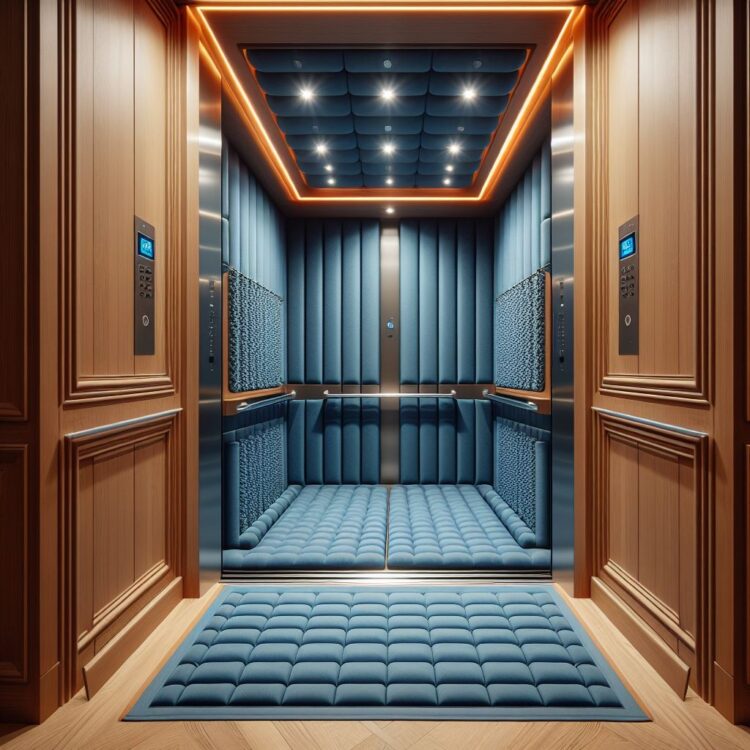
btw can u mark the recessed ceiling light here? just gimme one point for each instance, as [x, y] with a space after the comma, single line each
[447, 181]
[387, 94]
[388, 128]
[476, 64]
[387, 63]
[454, 148]
[469, 94]
[460, 128]
[298, 64]
[388, 149]
[390, 210]
[448, 167]
[389, 180]
[307, 94]
[329, 167]
[331, 181]
[321, 149]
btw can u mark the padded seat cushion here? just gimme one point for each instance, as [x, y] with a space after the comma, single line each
[323, 526]
[453, 526]
[476, 652]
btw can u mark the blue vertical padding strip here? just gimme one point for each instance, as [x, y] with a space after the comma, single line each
[314, 302]
[428, 302]
[546, 242]
[332, 304]
[484, 306]
[536, 212]
[546, 178]
[352, 302]
[484, 442]
[314, 445]
[465, 441]
[370, 302]
[370, 436]
[244, 216]
[225, 241]
[428, 440]
[225, 149]
[409, 440]
[409, 304]
[296, 442]
[351, 436]
[231, 494]
[466, 292]
[527, 254]
[332, 448]
[447, 302]
[296, 303]
[253, 219]
[234, 209]
[541, 486]
[446, 467]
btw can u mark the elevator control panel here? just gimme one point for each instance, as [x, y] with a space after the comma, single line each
[628, 255]
[144, 287]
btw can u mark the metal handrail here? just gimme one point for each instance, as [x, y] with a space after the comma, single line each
[510, 401]
[328, 394]
[244, 406]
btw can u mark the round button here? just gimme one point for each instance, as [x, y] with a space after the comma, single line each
[146, 320]
[628, 320]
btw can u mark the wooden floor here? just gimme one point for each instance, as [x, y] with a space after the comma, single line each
[95, 724]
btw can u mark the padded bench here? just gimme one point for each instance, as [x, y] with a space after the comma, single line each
[317, 526]
[458, 526]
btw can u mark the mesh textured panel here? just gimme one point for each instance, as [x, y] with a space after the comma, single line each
[256, 344]
[262, 481]
[519, 335]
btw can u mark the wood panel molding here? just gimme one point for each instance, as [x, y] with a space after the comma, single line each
[663, 574]
[688, 382]
[14, 558]
[123, 484]
[83, 382]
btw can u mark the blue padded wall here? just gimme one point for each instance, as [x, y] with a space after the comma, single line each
[446, 441]
[333, 298]
[336, 441]
[255, 471]
[446, 301]
[254, 244]
[522, 466]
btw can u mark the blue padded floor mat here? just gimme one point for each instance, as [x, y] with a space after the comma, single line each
[472, 653]
[453, 527]
[325, 526]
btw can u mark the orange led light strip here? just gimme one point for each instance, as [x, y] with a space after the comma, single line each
[510, 141]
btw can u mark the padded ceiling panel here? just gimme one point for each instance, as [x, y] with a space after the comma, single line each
[407, 140]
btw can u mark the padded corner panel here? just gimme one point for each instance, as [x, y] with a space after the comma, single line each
[446, 301]
[522, 474]
[318, 527]
[256, 335]
[445, 441]
[333, 300]
[520, 335]
[437, 653]
[334, 441]
[453, 527]
[254, 470]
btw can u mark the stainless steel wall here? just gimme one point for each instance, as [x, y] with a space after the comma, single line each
[209, 183]
[562, 326]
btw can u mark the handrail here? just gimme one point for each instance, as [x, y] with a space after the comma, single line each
[123, 423]
[244, 406]
[509, 401]
[328, 394]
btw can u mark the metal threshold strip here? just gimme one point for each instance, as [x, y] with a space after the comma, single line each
[328, 394]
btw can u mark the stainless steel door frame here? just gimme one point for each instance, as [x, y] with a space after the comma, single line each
[562, 326]
[209, 410]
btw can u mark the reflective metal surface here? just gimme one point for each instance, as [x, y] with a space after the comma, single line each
[562, 326]
[209, 179]
[508, 401]
[449, 394]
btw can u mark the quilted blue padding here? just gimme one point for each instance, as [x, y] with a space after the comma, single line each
[471, 653]
[520, 336]
[452, 526]
[256, 335]
[325, 526]
[446, 301]
[254, 533]
[333, 301]
[522, 474]
[427, 86]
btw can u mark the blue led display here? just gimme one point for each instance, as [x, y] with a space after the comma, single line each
[627, 246]
[145, 246]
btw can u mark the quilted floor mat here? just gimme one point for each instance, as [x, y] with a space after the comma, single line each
[325, 526]
[452, 526]
[502, 652]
